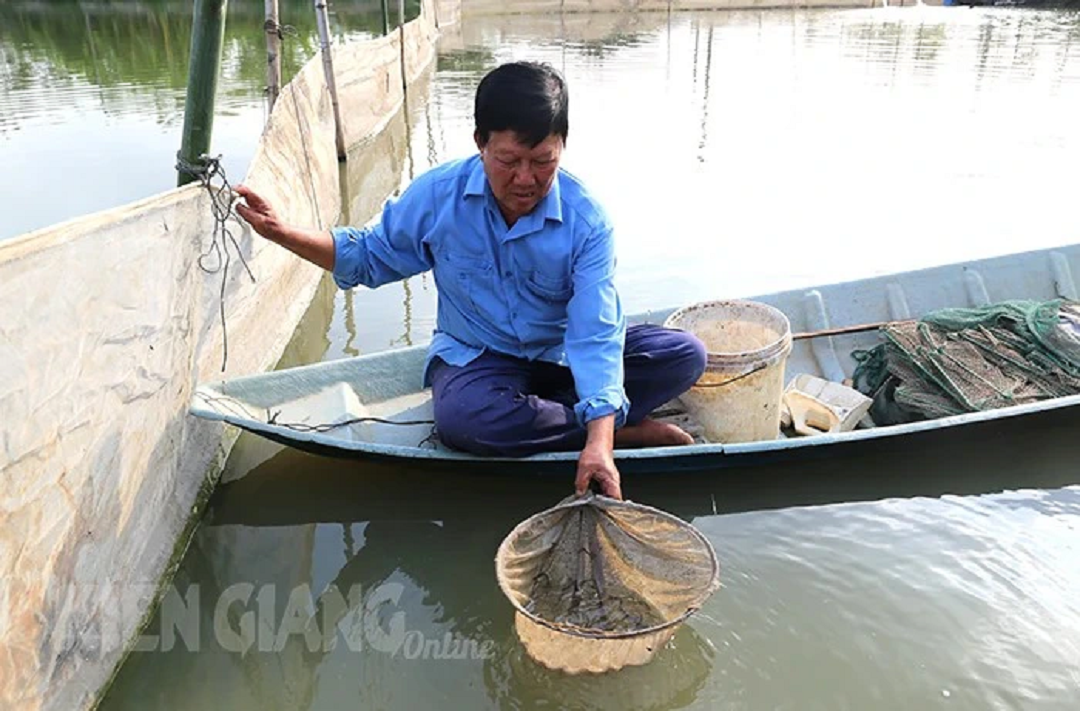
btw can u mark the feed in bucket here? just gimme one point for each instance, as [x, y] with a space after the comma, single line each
[738, 398]
[599, 584]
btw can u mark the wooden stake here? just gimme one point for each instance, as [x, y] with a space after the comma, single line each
[207, 38]
[323, 21]
[273, 53]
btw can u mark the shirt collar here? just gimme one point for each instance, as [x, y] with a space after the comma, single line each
[552, 202]
[550, 207]
[477, 182]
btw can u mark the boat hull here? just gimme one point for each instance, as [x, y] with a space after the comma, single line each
[387, 385]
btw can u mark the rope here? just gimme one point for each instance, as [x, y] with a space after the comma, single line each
[282, 31]
[431, 441]
[238, 408]
[304, 427]
[221, 201]
[872, 369]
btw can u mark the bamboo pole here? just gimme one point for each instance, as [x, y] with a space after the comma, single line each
[404, 70]
[273, 52]
[842, 330]
[323, 21]
[207, 38]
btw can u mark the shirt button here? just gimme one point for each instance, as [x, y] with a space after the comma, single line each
[507, 274]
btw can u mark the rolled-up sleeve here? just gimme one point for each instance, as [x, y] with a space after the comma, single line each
[389, 249]
[596, 332]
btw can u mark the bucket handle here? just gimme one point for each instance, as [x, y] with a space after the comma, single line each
[740, 376]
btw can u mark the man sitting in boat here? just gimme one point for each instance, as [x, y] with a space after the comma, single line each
[531, 351]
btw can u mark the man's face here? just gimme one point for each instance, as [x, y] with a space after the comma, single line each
[519, 176]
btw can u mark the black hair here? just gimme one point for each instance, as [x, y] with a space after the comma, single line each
[527, 98]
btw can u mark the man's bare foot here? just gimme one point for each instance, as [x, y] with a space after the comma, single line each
[651, 433]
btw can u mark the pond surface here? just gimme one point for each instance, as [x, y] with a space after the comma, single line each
[92, 96]
[738, 153]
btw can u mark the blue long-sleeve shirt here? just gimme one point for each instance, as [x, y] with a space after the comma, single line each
[542, 289]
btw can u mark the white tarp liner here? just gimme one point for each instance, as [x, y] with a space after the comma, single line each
[107, 323]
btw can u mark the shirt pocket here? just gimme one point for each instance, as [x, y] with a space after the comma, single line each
[547, 296]
[549, 287]
[470, 279]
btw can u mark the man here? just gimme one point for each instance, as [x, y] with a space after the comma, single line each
[531, 350]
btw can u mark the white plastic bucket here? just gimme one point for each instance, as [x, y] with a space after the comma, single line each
[738, 398]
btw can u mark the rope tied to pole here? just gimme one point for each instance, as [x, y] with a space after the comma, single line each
[281, 31]
[275, 41]
[217, 257]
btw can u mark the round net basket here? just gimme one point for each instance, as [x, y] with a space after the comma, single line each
[599, 584]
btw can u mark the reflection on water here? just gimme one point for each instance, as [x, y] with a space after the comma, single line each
[757, 152]
[935, 583]
[738, 153]
[102, 87]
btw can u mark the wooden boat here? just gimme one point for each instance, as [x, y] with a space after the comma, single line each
[391, 414]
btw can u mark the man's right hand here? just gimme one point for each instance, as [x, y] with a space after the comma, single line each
[596, 463]
[258, 213]
[316, 246]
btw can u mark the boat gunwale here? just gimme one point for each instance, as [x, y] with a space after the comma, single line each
[731, 450]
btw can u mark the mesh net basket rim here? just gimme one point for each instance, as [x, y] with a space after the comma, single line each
[608, 502]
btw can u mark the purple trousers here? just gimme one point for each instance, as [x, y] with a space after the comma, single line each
[499, 405]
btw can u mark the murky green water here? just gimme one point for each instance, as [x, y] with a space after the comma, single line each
[92, 96]
[738, 153]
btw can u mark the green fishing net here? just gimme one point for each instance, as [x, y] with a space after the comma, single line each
[954, 361]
